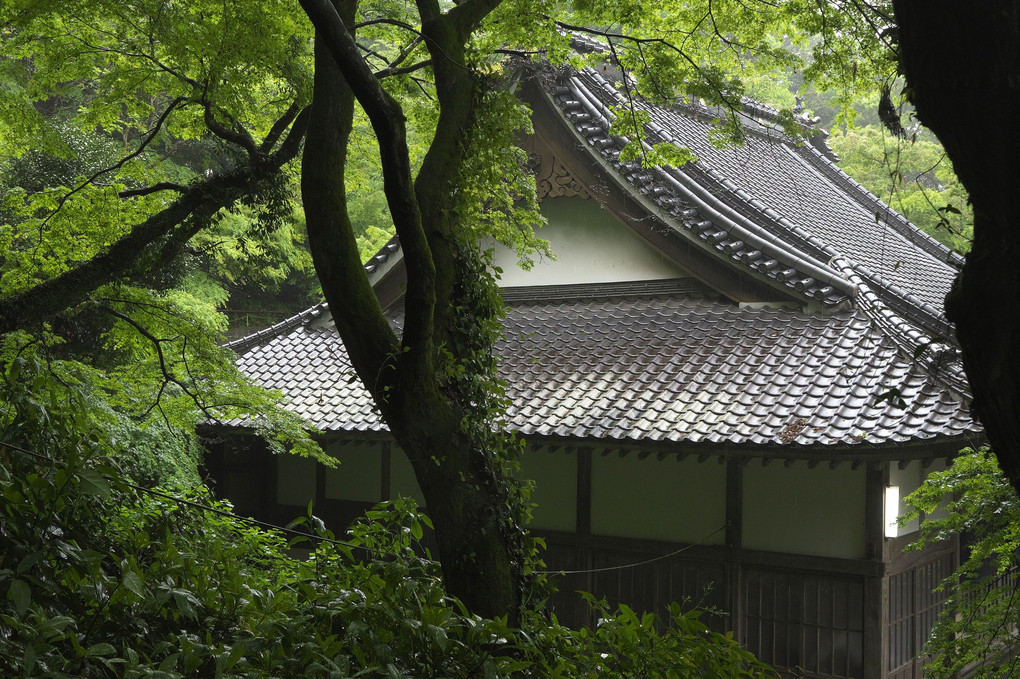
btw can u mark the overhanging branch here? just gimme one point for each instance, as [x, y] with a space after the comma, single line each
[201, 199]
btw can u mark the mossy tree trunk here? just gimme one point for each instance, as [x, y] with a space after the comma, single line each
[409, 376]
[962, 64]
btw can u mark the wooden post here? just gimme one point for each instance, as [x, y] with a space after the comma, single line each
[875, 621]
[385, 465]
[585, 558]
[734, 538]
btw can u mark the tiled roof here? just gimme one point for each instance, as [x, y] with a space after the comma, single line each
[775, 207]
[655, 367]
[665, 362]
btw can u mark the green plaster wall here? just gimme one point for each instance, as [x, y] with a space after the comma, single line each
[295, 480]
[555, 492]
[359, 476]
[799, 510]
[658, 499]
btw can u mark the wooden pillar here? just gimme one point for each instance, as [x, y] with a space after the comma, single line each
[875, 587]
[583, 494]
[320, 488]
[585, 558]
[734, 538]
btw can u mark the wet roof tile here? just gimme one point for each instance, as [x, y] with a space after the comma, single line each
[727, 388]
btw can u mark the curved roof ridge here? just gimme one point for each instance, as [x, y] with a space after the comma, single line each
[752, 109]
[743, 227]
[943, 360]
[383, 255]
[907, 304]
[244, 344]
[735, 235]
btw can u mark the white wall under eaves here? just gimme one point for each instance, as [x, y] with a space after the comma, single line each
[591, 246]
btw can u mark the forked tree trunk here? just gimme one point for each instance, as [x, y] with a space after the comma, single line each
[480, 555]
[962, 64]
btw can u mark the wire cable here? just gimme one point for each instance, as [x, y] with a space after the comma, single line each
[621, 567]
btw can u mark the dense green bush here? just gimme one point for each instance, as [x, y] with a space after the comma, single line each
[100, 577]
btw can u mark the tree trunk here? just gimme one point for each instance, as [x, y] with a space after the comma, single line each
[479, 550]
[962, 64]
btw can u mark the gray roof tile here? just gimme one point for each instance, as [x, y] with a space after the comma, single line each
[665, 368]
[651, 361]
[781, 209]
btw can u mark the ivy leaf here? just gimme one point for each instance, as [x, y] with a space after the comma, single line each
[893, 396]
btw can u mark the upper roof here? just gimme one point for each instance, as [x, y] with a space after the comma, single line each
[775, 207]
[671, 363]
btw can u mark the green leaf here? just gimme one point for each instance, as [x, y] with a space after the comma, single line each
[133, 583]
[92, 482]
[169, 662]
[101, 649]
[236, 653]
[28, 660]
[21, 594]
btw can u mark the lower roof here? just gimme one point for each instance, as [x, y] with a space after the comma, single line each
[656, 364]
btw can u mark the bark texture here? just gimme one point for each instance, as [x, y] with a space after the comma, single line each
[962, 64]
[410, 378]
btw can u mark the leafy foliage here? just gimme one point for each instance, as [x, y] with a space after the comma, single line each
[499, 200]
[99, 578]
[972, 500]
[238, 267]
[913, 176]
[163, 372]
[198, 95]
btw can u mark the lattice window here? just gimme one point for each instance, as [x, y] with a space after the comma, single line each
[914, 607]
[812, 623]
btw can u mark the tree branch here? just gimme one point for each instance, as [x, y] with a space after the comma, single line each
[168, 376]
[390, 71]
[468, 15]
[119, 164]
[198, 201]
[161, 186]
[279, 127]
[239, 138]
[367, 335]
[387, 120]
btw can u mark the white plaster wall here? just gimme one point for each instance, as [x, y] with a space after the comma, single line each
[555, 491]
[590, 245]
[295, 480]
[359, 476]
[658, 499]
[798, 510]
